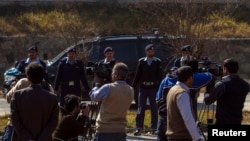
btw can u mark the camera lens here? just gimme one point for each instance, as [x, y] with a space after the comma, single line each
[83, 105]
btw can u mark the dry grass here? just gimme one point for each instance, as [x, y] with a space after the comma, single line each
[84, 20]
[131, 119]
[3, 121]
[132, 114]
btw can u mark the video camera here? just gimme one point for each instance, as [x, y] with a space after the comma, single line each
[208, 66]
[83, 105]
[102, 70]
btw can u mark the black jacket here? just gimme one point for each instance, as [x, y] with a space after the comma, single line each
[22, 64]
[230, 94]
[67, 73]
[148, 73]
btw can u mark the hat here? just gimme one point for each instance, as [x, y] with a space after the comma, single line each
[107, 49]
[32, 48]
[71, 49]
[149, 47]
[186, 48]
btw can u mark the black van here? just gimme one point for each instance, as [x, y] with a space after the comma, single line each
[127, 48]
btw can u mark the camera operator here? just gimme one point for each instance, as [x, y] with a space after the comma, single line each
[115, 98]
[71, 119]
[230, 94]
[199, 80]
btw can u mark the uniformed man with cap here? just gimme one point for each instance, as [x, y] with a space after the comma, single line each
[109, 55]
[32, 57]
[148, 76]
[108, 62]
[70, 75]
[186, 55]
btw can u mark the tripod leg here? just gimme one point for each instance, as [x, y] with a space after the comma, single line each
[204, 136]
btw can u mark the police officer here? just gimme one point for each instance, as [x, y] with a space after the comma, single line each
[109, 55]
[32, 57]
[186, 55]
[148, 75]
[70, 73]
[107, 63]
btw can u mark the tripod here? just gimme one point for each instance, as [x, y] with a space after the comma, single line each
[206, 113]
[89, 125]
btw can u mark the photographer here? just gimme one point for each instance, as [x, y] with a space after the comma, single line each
[230, 94]
[115, 98]
[71, 119]
[199, 80]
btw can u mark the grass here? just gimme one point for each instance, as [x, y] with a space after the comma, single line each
[131, 119]
[132, 114]
[3, 122]
[89, 20]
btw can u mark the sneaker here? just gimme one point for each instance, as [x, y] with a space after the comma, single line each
[153, 132]
[137, 132]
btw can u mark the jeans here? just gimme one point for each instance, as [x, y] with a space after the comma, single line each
[162, 128]
[142, 101]
[110, 137]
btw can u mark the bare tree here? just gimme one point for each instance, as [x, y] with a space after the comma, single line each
[182, 19]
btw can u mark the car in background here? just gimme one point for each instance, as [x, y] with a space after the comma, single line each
[127, 48]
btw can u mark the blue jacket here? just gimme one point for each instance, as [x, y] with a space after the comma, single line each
[200, 80]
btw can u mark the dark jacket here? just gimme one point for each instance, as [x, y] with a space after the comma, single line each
[67, 73]
[34, 114]
[230, 94]
[23, 63]
[69, 126]
[151, 74]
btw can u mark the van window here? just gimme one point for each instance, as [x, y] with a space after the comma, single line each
[125, 50]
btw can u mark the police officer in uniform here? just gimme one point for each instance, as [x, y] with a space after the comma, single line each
[109, 56]
[148, 76]
[186, 55]
[107, 63]
[70, 75]
[32, 57]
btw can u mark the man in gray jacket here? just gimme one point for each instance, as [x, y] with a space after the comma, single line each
[34, 110]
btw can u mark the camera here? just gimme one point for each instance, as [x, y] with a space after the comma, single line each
[208, 66]
[83, 105]
[102, 70]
